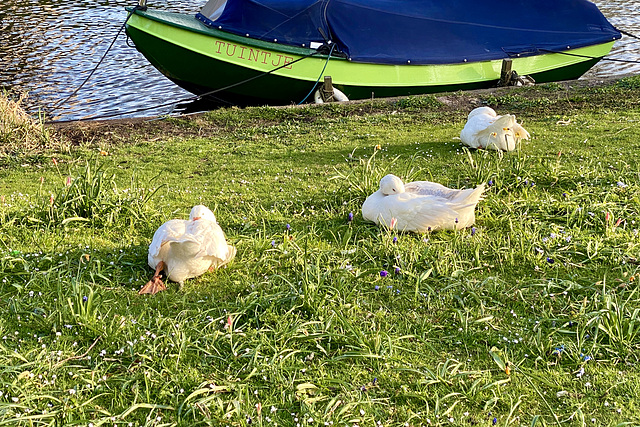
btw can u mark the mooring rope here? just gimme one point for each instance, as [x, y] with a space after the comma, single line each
[191, 98]
[626, 33]
[213, 92]
[626, 61]
[320, 76]
[64, 101]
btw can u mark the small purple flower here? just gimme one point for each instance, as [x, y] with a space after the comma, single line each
[273, 243]
[558, 350]
[495, 421]
[533, 183]
[526, 182]
[288, 227]
[350, 217]
[376, 287]
[490, 183]
[621, 184]
[428, 228]
[550, 260]
[564, 194]
[384, 273]
[473, 231]
[375, 380]
[456, 220]
[85, 299]
[397, 270]
[395, 239]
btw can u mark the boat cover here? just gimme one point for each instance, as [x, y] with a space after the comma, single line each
[419, 31]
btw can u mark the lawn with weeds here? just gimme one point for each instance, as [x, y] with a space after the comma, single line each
[529, 318]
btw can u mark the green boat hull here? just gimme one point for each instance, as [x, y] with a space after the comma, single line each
[239, 70]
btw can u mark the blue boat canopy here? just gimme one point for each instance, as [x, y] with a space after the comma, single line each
[417, 31]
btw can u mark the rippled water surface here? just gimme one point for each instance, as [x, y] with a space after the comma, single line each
[48, 47]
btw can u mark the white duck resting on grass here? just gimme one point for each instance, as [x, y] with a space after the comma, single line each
[421, 206]
[485, 129]
[186, 249]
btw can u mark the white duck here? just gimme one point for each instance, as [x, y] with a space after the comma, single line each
[485, 129]
[421, 205]
[186, 249]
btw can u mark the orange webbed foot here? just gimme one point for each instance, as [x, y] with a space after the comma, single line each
[153, 286]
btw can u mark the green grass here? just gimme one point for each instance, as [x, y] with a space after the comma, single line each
[301, 328]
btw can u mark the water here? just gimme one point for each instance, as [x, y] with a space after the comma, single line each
[48, 47]
[624, 15]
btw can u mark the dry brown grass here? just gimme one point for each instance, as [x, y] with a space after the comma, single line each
[20, 133]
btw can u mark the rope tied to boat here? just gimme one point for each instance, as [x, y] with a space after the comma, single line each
[626, 33]
[625, 61]
[74, 93]
[195, 97]
[183, 100]
[333, 45]
[320, 51]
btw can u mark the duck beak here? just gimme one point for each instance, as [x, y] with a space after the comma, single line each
[196, 218]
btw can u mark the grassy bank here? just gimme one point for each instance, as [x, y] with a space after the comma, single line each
[529, 318]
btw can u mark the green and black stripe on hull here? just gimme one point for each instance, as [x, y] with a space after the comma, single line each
[240, 70]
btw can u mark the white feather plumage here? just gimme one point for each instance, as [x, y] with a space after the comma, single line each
[189, 248]
[421, 206]
[485, 129]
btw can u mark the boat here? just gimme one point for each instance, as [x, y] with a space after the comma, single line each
[275, 52]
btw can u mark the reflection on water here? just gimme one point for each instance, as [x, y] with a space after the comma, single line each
[624, 15]
[48, 47]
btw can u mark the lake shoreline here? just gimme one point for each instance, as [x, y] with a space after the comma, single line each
[452, 103]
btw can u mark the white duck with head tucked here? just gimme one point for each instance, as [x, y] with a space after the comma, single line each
[421, 206]
[485, 129]
[184, 249]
